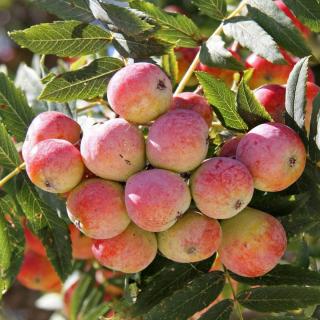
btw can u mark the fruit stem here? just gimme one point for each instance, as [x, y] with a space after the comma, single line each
[12, 174]
[196, 60]
[237, 305]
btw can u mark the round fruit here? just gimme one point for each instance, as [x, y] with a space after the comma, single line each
[55, 165]
[274, 155]
[156, 198]
[97, 208]
[193, 238]
[178, 141]
[33, 243]
[129, 252]
[229, 148]
[253, 243]
[221, 187]
[113, 150]
[140, 92]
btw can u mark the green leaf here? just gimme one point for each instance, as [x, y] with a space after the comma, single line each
[296, 96]
[86, 83]
[66, 9]
[63, 38]
[175, 28]
[314, 135]
[220, 311]
[279, 298]
[250, 35]
[195, 296]
[162, 278]
[223, 101]
[249, 108]
[97, 312]
[14, 109]
[216, 9]
[138, 47]
[46, 224]
[12, 244]
[170, 66]
[214, 54]
[283, 274]
[308, 12]
[278, 26]
[9, 157]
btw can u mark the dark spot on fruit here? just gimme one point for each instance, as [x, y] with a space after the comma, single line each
[238, 204]
[47, 184]
[179, 214]
[128, 162]
[191, 250]
[292, 162]
[161, 85]
[120, 155]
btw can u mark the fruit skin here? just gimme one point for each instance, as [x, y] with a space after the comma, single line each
[274, 155]
[55, 165]
[37, 273]
[178, 141]
[97, 208]
[195, 102]
[273, 98]
[156, 198]
[33, 243]
[229, 148]
[221, 187]
[81, 245]
[140, 92]
[113, 150]
[184, 57]
[282, 6]
[312, 91]
[253, 243]
[129, 252]
[50, 125]
[193, 238]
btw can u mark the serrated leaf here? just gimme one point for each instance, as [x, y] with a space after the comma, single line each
[46, 224]
[249, 108]
[314, 135]
[214, 54]
[162, 278]
[216, 9]
[250, 35]
[139, 48]
[12, 244]
[296, 96]
[9, 157]
[123, 19]
[170, 66]
[283, 274]
[175, 28]
[183, 303]
[220, 311]
[278, 298]
[223, 101]
[63, 38]
[14, 109]
[86, 83]
[66, 9]
[308, 12]
[278, 26]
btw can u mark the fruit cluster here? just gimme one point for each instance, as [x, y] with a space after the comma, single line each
[138, 198]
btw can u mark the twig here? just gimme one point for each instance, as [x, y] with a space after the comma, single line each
[12, 174]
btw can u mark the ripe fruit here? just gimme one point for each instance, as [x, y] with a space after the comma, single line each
[55, 165]
[195, 102]
[221, 187]
[312, 91]
[37, 273]
[253, 242]
[33, 243]
[177, 141]
[50, 125]
[81, 245]
[131, 251]
[97, 208]
[140, 92]
[184, 57]
[113, 150]
[156, 198]
[193, 238]
[229, 148]
[273, 98]
[274, 155]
